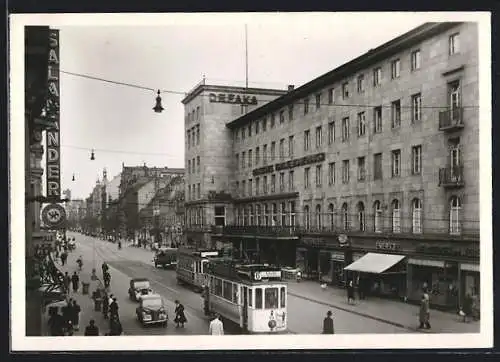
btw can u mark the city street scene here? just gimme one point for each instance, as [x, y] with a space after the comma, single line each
[253, 178]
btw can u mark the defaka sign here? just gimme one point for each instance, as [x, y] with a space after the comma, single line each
[232, 99]
[53, 117]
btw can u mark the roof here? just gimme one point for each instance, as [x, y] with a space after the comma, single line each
[151, 296]
[340, 73]
[139, 280]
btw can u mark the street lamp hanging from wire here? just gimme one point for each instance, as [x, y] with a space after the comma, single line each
[158, 107]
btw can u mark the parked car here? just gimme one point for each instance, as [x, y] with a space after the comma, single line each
[151, 310]
[166, 257]
[139, 287]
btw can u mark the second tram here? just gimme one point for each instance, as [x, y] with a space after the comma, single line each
[253, 296]
[191, 266]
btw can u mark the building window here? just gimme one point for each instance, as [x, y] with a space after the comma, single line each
[319, 175]
[250, 187]
[345, 216]
[345, 171]
[282, 117]
[417, 216]
[189, 192]
[396, 217]
[290, 146]
[243, 187]
[454, 99]
[290, 112]
[377, 76]
[249, 130]
[361, 124]
[197, 134]
[319, 222]
[331, 132]
[331, 216]
[345, 129]
[395, 69]
[396, 163]
[266, 214]
[273, 151]
[361, 216]
[243, 160]
[274, 212]
[331, 96]
[199, 191]
[257, 126]
[264, 154]
[331, 173]
[377, 216]
[273, 183]
[257, 156]
[282, 148]
[188, 136]
[454, 44]
[264, 125]
[283, 214]
[396, 114]
[291, 207]
[257, 185]
[237, 157]
[345, 90]
[318, 100]
[237, 187]
[291, 181]
[250, 158]
[306, 105]
[198, 162]
[264, 184]
[455, 210]
[416, 160]
[273, 121]
[415, 59]
[307, 217]
[416, 108]
[306, 177]
[361, 169]
[243, 134]
[189, 166]
[377, 166]
[307, 139]
[257, 214]
[250, 214]
[377, 119]
[319, 136]
[361, 83]
[220, 215]
[282, 181]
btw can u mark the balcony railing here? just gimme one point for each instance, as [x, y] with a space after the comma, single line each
[451, 119]
[452, 177]
[275, 231]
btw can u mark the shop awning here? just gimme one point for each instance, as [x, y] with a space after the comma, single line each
[374, 263]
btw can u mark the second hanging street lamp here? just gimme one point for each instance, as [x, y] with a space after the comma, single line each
[158, 107]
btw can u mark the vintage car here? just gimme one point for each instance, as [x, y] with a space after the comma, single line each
[166, 257]
[139, 287]
[152, 310]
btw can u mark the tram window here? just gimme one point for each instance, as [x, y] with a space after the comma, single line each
[250, 297]
[235, 293]
[283, 297]
[218, 287]
[258, 298]
[203, 265]
[271, 298]
[227, 290]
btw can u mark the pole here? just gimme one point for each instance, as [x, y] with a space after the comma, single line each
[246, 57]
[93, 261]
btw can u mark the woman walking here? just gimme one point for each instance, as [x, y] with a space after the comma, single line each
[424, 314]
[180, 317]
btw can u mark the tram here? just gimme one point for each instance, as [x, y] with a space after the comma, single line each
[253, 296]
[191, 265]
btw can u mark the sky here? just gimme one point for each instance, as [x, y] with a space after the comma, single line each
[282, 49]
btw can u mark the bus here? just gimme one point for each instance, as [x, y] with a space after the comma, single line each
[252, 296]
[191, 265]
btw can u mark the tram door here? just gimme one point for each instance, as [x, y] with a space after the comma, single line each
[245, 309]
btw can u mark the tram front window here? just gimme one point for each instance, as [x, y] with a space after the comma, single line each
[258, 298]
[282, 297]
[271, 300]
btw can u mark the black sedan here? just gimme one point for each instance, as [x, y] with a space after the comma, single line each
[151, 310]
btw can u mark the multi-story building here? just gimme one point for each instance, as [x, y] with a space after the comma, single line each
[378, 155]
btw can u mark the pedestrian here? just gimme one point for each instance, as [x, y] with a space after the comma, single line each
[64, 257]
[424, 314]
[216, 327]
[115, 327]
[113, 308]
[467, 307]
[76, 315]
[75, 280]
[105, 306]
[104, 268]
[350, 292]
[91, 329]
[180, 318]
[328, 323]
[79, 261]
[55, 322]
[70, 329]
[67, 281]
[67, 312]
[107, 279]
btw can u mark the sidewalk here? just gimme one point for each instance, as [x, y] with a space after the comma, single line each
[85, 301]
[396, 313]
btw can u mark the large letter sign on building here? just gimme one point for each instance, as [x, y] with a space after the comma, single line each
[52, 114]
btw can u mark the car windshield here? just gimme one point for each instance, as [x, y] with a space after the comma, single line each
[141, 285]
[152, 303]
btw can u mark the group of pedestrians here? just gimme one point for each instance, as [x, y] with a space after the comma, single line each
[67, 323]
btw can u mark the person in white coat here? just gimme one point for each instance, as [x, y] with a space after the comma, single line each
[216, 327]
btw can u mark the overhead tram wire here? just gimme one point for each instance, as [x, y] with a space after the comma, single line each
[311, 103]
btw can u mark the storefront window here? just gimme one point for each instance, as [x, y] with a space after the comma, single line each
[283, 297]
[271, 300]
[258, 298]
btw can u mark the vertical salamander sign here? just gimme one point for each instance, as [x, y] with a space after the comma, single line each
[53, 116]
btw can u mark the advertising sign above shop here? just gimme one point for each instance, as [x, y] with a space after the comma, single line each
[232, 98]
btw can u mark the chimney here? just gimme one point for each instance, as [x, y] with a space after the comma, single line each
[291, 87]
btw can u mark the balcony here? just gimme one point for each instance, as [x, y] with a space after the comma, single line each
[452, 177]
[451, 120]
[257, 231]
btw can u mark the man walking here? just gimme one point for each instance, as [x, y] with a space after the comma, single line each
[64, 257]
[216, 327]
[75, 280]
[424, 314]
[328, 323]
[75, 311]
[67, 281]
[91, 329]
[113, 308]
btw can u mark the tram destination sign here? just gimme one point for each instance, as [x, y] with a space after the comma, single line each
[267, 274]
